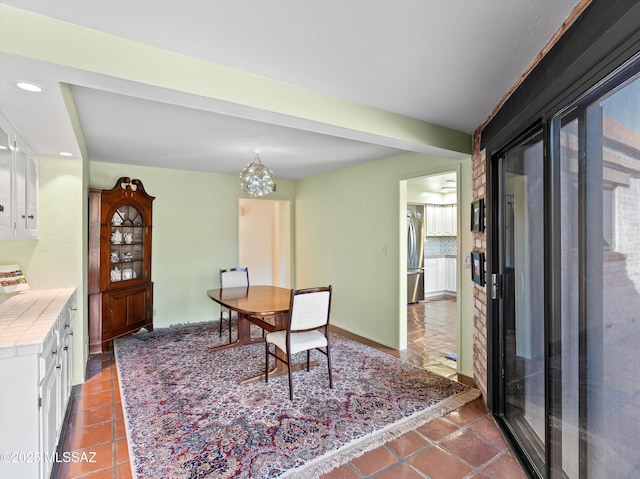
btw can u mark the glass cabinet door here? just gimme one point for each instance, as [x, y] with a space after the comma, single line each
[127, 244]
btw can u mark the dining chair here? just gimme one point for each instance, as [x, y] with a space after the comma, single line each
[307, 329]
[232, 278]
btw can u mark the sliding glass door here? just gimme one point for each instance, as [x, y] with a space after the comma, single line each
[567, 287]
[599, 268]
[521, 247]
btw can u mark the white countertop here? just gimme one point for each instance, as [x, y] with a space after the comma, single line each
[26, 318]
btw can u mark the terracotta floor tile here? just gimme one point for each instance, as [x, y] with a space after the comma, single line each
[104, 474]
[479, 405]
[96, 387]
[121, 429]
[400, 471]
[83, 437]
[88, 401]
[439, 464]
[504, 466]
[89, 417]
[124, 471]
[99, 458]
[118, 410]
[343, 472]
[465, 415]
[408, 444]
[470, 449]
[487, 429]
[94, 367]
[374, 461]
[122, 451]
[437, 429]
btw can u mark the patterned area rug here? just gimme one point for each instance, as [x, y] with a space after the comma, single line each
[187, 416]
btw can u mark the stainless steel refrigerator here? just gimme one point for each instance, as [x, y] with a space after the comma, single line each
[415, 257]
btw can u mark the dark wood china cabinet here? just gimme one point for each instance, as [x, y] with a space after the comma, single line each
[120, 287]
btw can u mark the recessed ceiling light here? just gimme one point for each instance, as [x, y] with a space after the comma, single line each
[447, 189]
[65, 153]
[30, 87]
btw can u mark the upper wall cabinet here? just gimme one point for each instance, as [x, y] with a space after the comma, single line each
[441, 220]
[18, 185]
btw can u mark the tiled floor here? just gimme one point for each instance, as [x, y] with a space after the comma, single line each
[432, 334]
[465, 443]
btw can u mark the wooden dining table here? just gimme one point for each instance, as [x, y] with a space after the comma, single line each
[264, 306]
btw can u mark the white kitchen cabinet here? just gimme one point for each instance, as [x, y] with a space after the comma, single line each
[438, 221]
[450, 264]
[441, 220]
[35, 377]
[18, 185]
[430, 276]
[6, 181]
[442, 274]
[430, 220]
[449, 220]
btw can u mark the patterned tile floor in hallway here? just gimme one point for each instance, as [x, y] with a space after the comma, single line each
[465, 443]
[432, 334]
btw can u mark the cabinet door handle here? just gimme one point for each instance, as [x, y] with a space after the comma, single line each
[54, 352]
[24, 217]
[66, 348]
[66, 326]
[30, 217]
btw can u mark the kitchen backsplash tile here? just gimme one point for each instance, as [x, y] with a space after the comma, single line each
[440, 245]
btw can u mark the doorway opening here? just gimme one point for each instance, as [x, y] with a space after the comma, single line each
[432, 252]
[264, 238]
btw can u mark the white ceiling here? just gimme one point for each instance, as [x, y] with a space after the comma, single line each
[447, 62]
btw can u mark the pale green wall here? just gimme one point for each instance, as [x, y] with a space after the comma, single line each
[55, 259]
[195, 233]
[348, 234]
[343, 222]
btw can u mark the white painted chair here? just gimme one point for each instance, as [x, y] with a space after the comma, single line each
[307, 329]
[232, 278]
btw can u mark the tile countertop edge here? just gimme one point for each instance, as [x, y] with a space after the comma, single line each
[37, 311]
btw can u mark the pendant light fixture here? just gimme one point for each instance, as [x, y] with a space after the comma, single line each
[256, 180]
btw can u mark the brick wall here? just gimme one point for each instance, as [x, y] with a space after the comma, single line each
[479, 183]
